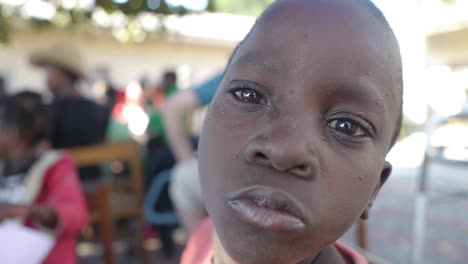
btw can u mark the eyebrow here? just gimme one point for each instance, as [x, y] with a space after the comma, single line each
[363, 89]
[258, 62]
[364, 92]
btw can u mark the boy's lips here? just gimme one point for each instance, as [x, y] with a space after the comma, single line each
[268, 208]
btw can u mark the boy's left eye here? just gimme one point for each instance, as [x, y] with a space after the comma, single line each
[249, 96]
[348, 127]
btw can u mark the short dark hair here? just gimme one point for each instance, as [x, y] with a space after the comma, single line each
[170, 76]
[26, 112]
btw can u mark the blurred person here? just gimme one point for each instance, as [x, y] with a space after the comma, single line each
[31, 100]
[2, 87]
[185, 187]
[75, 120]
[148, 90]
[159, 156]
[111, 95]
[110, 90]
[39, 187]
[157, 98]
[166, 88]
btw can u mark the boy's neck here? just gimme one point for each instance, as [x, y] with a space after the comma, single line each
[329, 255]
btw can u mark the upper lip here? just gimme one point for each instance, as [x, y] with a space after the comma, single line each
[271, 198]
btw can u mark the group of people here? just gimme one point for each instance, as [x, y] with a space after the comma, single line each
[40, 184]
[292, 151]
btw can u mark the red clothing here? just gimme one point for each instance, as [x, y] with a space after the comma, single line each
[199, 249]
[61, 190]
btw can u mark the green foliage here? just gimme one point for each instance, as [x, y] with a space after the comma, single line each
[242, 7]
[4, 28]
[75, 19]
[449, 2]
[132, 7]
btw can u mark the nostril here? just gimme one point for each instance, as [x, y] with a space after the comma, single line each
[301, 169]
[260, 156]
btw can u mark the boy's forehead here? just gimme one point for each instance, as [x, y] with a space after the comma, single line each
[334, 10]
[334, 23]
[321, 18]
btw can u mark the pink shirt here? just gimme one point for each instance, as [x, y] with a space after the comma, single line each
[61, 190]
[199, 249]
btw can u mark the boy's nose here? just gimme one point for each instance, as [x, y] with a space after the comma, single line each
[285, 155]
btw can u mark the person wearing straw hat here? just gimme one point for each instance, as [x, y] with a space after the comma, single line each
[76, 121]
[64, 67]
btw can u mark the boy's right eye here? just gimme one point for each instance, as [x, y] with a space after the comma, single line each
[248, 96]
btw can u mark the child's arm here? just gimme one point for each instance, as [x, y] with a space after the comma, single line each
[173, 113]
[44, 215]
[8, 211]
[65, 198]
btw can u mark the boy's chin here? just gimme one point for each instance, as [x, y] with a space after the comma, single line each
[258, 255]
[257, 247]
[253, 254]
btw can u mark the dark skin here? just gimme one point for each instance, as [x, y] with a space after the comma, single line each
[59, 83]
[19, 152]
[44, 215]
[167, 82]
[308, 106]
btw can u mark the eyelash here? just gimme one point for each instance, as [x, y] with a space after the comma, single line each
[244, 88]
[362, 129]
[359, 131]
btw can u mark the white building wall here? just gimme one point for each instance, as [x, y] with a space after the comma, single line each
[126, 62]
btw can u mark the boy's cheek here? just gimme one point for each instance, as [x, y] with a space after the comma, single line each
[344, 199]
[220, 137]
[229, 125]
[351, 179]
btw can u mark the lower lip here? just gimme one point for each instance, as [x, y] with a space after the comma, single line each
[265, 218]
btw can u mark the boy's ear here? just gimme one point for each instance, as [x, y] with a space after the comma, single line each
[384, 174]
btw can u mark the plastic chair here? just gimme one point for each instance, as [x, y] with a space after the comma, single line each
[154, 192]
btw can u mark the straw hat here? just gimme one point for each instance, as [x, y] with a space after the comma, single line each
[62, 55]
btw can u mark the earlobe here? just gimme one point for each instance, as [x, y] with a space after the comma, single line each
[386, 171]
[365, 214]
[384, 174]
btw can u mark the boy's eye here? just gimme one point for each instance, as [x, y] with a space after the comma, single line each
[249, 96]
[348, 127]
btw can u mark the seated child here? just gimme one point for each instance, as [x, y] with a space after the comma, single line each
[46, 194]
[293, 147]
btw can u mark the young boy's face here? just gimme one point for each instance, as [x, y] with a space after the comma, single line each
[294, 144]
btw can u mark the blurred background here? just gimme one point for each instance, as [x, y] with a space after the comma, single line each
[131, 49]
